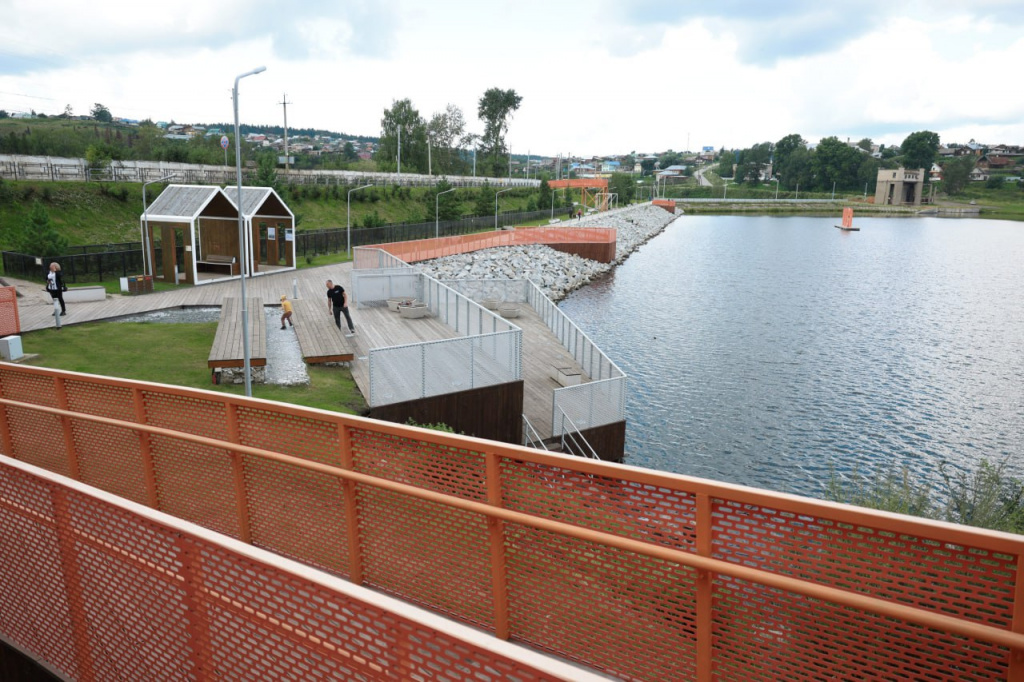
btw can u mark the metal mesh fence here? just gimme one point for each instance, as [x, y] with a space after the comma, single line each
[10, 323]
[91, 266]
[641, 574]
[401, 373]
[99, 589]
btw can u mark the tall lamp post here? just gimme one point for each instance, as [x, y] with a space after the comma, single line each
[348, 212]
[241, 233]
[437, 221]
[145, 223]
[496, 204]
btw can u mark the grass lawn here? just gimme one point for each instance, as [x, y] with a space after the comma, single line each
[175, 354]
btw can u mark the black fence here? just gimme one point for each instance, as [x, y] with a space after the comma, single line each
[85, 265]
[101, 262]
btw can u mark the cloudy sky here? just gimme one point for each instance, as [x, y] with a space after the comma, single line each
[596, 76]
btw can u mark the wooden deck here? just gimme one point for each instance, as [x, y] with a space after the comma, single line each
[228, 348]
[319, 339]
[376, 327]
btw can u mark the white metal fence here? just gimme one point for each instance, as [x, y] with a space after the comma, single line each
[23, 167]
[488, 353]
[371, 258]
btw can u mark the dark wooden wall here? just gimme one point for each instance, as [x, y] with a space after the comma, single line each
[608, 441]
[493, 412]
[601, 252]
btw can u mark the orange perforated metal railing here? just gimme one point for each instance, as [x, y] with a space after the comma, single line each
[9, 320]
[426, 249]
[98, 588]
[639, 574]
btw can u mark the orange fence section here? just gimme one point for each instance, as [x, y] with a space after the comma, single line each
[639, 574]
[666, 204]
[101, 589]
[582, 238]
[589, 183]
[9, 321]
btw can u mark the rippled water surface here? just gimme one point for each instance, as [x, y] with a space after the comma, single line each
[763, 350]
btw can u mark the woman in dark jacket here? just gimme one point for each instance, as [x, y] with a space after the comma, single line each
[55, 285]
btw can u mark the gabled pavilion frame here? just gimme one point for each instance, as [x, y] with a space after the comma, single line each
[202, 223]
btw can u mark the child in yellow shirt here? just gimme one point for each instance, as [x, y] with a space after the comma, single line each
[286, 311]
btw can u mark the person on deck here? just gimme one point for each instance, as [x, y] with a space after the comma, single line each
[337, 303]
[55, 286]
[286, 311]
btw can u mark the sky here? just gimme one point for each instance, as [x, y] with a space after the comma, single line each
[597, 77]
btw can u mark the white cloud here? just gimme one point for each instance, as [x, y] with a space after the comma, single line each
[596, 77]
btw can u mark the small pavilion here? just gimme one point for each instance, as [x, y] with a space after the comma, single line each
[194, 231]
[271, 226]
[196, 227]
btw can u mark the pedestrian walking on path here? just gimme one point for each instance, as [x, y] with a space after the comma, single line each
[337, 303]
[286, 311]
[56, 287]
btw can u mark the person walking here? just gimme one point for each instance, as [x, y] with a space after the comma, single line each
[337, 303]
[286, 311]
[56, 287]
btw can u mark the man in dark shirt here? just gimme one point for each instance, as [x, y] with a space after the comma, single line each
[337, 302]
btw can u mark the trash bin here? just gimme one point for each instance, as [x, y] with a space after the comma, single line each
[133, 286]
[147, 284]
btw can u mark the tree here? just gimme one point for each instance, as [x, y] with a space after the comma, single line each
[957, 173]
[752, 163]
[725, 163]
[266, 171]
[796, 170]
[38, 235]
[348, 152]
[447, 129]
[447, 206]
[495, 109]
[4, 114]
[623, 185]
[866, 144]
[101, 113]
[835, 163]
[402, 119]
[785, 147]
[68, 112]
[545, 195]
[919, 149]
[484, 203]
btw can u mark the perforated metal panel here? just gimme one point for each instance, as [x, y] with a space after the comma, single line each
[99, 592]
[471, 529]
[10, 323]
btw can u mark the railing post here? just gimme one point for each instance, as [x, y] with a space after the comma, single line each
[704, 591]
[496, 531]
[348, 487]
[74, 471]
[72, 584]
[148, 469]
[5, 425]
[238, 474]
[196, 617]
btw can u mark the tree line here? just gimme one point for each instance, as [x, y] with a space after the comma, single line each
[444, 145]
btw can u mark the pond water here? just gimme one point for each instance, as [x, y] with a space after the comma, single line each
[766, 351]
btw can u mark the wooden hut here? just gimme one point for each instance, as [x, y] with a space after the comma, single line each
[271, 226]
[197, 228]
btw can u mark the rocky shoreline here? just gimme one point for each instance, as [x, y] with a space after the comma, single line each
[556, 273]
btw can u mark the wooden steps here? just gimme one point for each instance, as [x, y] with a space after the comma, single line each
[227, 348]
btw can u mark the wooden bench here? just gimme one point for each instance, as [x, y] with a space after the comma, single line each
[320, 340]
[217, 261]
[227, 348]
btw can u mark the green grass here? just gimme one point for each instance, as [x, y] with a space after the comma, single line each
[175, 354]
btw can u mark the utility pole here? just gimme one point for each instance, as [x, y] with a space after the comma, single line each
[284, 103]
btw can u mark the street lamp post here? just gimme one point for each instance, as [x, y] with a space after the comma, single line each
[496, 205]
[776, 189]
[437, 221]
[145, 223]
[348, 213]
[241, 233]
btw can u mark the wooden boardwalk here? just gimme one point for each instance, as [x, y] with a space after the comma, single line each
[376, 327]
[228, 348]
[319, 339]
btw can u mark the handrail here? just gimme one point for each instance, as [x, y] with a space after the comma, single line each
[531, 438]
[834, 595]
[582, 446]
